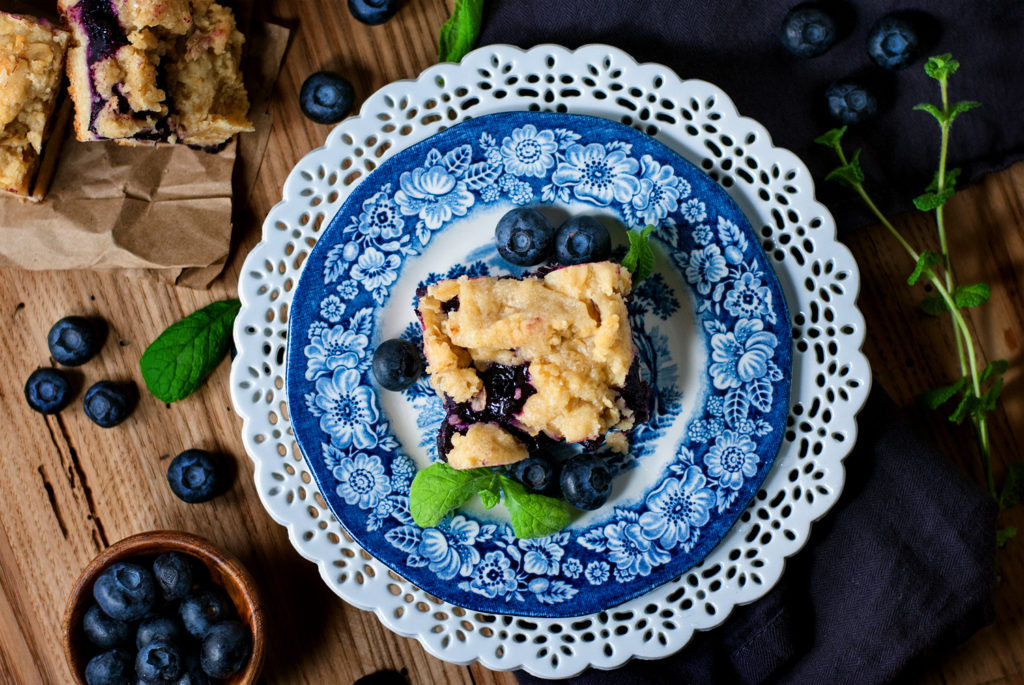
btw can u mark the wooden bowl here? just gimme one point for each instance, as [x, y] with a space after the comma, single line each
[224, 569]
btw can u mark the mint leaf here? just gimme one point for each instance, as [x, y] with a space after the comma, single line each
[968, 405]
[939, 115]
[489, 498]
[1013, 486]
[458, 34]
[961, 107]
[533, 516]
[1003, 536]
[831, 138]
[850, 174]
[971, 295]
[925, 263]
[950, 180]
[934, 305]
[640, 258]
[988, 401]
[179, 360]
[930, 201]
[439, 488]
[996, 367]
[933, 399]
[941, 67]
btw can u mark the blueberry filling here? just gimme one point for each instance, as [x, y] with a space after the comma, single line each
[451, 305]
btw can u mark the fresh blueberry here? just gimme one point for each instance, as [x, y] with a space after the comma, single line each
[326, 97]
[196, 476]
[225, 649]
[373, 12]
[113, 667]
[586, 481]
[159, 627]
[535, 473]
[582, 239]
[809, 29]
[125, 591]
[103, 631]
[396, 364]
[193, 673]
[73, 340]
[203, 608]
[173, 572]
[159, 662]
[47, 391]
[851, 102]
[107, 403]
[524, 237]
[894, 41]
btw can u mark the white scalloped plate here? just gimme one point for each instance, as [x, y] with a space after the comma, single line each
[773, 189]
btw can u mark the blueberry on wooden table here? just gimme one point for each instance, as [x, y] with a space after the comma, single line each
[851, 102]
[809, 29]
[159, 661]
[173, 572]
[113, 667]
[107, 403]
[523, 236]
[582, 239]
[894, 41]
[73, 340]
[203, 608]
[396, 364]
[47, 391]
[373, 12]
[196, 476]
[226, 647]
[586, 481]
[326, 97]
[102, 630]
[125, 591]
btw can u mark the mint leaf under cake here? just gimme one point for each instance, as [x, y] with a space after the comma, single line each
[522, 364]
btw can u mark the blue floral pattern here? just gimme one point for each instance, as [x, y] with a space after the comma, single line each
[709, 260]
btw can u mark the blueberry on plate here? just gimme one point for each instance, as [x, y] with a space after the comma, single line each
[809, 29]
[396, 364]
[326, 97]
[173, 572]
[894, 41]
[159, 627]
[102, 630]
[582, 239]
[203, 608]
[225, 649]
[373, 12]
[47, 391]
[523, 237]
[586, 481]
[125, 591]
[113, 667]
[73, 340]
[196, 476]
[851, 102]
[107, 403]
[159, 662]
[535, 473]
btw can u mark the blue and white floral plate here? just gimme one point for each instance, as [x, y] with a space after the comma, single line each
[710, 326]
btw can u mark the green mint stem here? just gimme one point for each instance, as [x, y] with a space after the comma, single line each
[960, 325]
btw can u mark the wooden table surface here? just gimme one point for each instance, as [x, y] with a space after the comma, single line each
[69, 488]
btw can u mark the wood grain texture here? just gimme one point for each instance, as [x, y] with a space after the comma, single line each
[68, 489]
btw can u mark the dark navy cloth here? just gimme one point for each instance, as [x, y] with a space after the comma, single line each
[902, 567]
[735, 45]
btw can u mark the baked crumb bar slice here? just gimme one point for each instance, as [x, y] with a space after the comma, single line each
[145, 71]
[524, 363]
[31, 69]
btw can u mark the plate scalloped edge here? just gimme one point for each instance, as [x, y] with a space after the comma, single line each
[831, 376]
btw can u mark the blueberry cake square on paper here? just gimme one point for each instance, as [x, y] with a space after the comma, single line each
[31, 68]
[145, 71]
[524, 363]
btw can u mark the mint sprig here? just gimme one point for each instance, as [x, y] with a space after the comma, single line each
[439, 489]
[640, 257]
[458, 35]
[179, 360]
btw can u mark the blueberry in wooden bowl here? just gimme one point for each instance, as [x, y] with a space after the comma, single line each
[109, 621]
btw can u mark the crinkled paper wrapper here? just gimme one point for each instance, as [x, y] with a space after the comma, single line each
[162, 210]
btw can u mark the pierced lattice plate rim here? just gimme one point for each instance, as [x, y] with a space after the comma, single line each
[819, 277]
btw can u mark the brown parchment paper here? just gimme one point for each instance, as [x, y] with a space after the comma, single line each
[163, 211]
